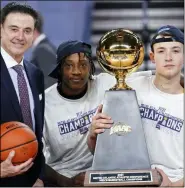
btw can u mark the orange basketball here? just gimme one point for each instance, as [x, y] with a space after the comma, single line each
[20, 138]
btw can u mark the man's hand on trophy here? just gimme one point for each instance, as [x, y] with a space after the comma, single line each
[165, 180]
[100, 122]
[78, 180]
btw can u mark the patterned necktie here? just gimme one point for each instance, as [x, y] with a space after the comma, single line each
[24, 96]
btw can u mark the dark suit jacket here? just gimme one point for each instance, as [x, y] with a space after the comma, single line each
[11, 111]
[44, 57]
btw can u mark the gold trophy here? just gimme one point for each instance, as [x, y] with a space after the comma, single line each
[119, 53]
[121, 156]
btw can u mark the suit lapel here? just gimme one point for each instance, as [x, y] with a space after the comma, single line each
[9, 87]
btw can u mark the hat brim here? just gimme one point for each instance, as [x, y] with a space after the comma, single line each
[175, 36]
[54, 72]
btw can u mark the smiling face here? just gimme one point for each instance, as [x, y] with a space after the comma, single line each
[75, 74]
[17, 34]
[169, 58]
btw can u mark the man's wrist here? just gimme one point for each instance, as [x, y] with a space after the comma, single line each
[93, 137]
[3, 172]
[91, 142]
[179, 183]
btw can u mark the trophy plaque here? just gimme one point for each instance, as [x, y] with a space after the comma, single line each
[121, 156]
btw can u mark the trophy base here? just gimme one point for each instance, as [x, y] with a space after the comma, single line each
[122, 178]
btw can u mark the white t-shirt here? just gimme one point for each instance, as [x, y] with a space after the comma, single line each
[66, 149]
[163, 120]
[66, 126]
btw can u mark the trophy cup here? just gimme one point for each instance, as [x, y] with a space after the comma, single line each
[121, 156]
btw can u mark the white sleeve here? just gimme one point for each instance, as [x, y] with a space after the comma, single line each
[139, 75]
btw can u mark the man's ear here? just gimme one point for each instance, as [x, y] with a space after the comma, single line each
[152, 57]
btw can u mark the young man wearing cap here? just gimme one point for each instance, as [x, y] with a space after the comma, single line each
[161, 102]
[70, 105]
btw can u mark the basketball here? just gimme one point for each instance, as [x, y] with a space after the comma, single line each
[18, 137]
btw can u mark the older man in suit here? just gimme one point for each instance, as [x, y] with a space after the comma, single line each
[44, 53]
[21, 85]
